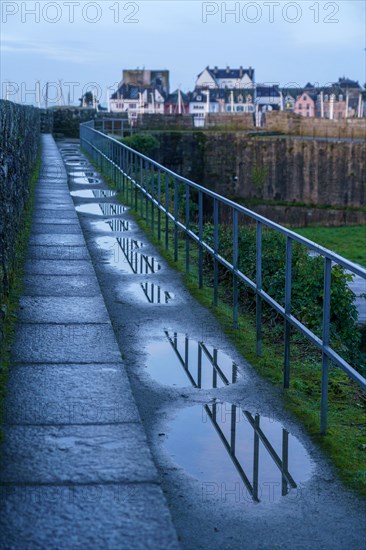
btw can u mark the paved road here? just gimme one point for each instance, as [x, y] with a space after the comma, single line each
[78, 471]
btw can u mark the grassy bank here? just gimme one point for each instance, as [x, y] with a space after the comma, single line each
[349, 242]
[11, 301]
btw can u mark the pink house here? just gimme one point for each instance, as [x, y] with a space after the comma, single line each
[304, 105]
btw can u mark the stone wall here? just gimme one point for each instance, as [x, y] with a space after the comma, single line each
[19, 142]
[67, 120]
[216, 121]
[292, 124]
[273, 169]
[164, 122]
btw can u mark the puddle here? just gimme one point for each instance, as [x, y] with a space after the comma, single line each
[102, 209]
[72, 165]
[180, 361]
[116, 225]
[238, 456]
[93, 193]
[70, 158]
[121, 253]
[82, 171]
[151, 292]
[85, 180]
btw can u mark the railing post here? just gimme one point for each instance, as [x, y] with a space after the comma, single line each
[166, 210]
[141, 186]
[200, 237]
[216, 251]
[235, 266]
[152, 199]
[187, 228]
[288, 288]
[136, 160]
[258, 277]
[159, 204]
[175, 220]
[325, 338]
[146, 191]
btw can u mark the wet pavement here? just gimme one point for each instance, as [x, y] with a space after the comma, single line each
[222, 458]
[76, 469]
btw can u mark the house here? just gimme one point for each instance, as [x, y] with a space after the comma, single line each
[176, 103]
[289, 96]
[267, 98]
[204, 101]
[225, 78]
[305, 102]
[136, 100]
[238, 101]
[146, 78]
[139, 92]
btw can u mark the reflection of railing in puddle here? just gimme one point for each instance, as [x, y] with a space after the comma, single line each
[221, 375]
[118, 225]
[103, 193]
[111, 209]
[139, 263]
[259, 436]
[155, 294]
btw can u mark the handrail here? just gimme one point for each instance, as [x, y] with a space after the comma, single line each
[119, 160]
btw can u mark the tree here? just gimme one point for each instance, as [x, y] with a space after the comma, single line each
[89, 100]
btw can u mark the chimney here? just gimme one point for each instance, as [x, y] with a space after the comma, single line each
[240, 71]
[227, 69]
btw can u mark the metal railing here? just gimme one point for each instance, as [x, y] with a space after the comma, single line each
[158, 193]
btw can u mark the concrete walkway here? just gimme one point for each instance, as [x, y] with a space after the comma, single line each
[76, 470]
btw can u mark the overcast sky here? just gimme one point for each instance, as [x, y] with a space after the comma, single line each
[79, 42]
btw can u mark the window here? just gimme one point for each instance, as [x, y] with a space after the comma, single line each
[308, 106]
[300, 105]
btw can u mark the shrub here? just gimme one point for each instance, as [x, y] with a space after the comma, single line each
[307, 286]
[143, 143]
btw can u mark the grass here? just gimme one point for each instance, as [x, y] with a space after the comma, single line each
[11, 300]
[349, 242]
[253, 201]
[345, 441]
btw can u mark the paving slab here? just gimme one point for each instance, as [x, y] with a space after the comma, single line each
[57, 239]
[79, 454]
[62, 206]
[58, 252]
[61, 229]
[69, 394]
[55, 220]
[60, 285]
[67, 343]
[85, 517]
[62, 310]
[59, 267]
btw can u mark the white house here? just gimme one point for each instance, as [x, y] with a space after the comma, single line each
[226, 78]
[136, 100]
